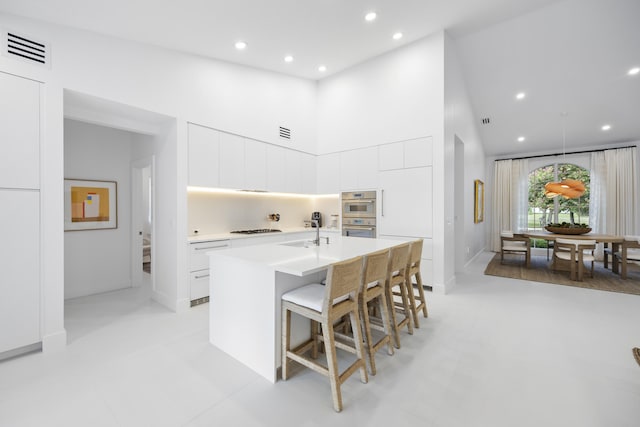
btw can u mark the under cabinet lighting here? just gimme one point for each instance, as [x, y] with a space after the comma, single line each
[256, 193]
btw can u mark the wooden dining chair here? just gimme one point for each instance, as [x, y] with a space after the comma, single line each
[324, 305]
[629, 252]
[571, 254]
[519, 244]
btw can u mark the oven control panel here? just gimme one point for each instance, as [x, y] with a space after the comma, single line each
[359, 221]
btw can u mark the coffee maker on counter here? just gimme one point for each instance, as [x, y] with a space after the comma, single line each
[316, 216]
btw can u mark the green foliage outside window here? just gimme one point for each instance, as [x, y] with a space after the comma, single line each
[542, 210]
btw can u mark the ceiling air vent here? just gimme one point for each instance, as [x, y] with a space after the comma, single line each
[486, 121]
[26, 48]
[285, 133]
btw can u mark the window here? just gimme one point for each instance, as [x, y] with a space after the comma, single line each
[542, 210]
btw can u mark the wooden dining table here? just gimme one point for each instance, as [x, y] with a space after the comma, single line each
[606, 239]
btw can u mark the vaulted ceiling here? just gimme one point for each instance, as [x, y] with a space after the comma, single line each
[569, 57]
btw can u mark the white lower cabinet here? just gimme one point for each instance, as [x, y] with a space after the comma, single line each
[199, 268]
[20, 265]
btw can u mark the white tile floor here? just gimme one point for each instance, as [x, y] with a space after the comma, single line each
[495, 352]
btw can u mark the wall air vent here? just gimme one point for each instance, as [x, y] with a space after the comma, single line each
[285, 133]
[26, 48]
[486, 121]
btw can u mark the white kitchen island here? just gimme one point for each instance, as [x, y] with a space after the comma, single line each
[246, 285]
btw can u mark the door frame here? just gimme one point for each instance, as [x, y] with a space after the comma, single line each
[137, 219]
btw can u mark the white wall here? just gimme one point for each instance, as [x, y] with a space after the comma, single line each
[394, 97]
[460, 122]
[98, 261]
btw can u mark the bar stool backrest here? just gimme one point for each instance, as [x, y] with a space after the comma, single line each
[375, 268]
[343, 282]
[416, 253]
[398, 260]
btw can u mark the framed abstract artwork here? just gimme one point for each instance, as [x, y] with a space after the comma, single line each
[90, 205]
[478, 210]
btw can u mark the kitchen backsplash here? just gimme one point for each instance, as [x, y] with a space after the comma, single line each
[213, 213]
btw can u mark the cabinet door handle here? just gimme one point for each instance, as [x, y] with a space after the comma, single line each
[382, 202]
[201, 277]
[211, 247]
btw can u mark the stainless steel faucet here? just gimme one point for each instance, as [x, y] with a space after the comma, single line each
[317, 223]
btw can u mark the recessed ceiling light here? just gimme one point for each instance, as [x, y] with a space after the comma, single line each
[521, 139]
[288, 58]
[397, 36]
[606, 127]
[371, 16]
[240, 45]
[322, 68]
[634, 71]
[521, 95]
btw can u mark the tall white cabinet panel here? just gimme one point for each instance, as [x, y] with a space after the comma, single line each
[308, 162]
[231, 161]
[418, 152]
[367, 168]
[406, 199]
[328, 173]
[255, 163]
[19, 263]
[293, 171]
[349, 170]
[204, 153]
[276, 176]
[19, 132]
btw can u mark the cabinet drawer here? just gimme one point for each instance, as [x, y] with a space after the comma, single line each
[199, 284]
[198, 258]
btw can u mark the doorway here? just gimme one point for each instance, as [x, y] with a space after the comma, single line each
[461, 251]
[142, 239]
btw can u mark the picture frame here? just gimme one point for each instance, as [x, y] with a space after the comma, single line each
[90, 204]
[478, 210]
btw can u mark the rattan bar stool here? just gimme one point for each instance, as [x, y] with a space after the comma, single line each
[417, 302]
[324, 305]
[373, 296]
[397, 295]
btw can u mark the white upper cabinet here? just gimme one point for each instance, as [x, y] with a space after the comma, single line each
[308, 173]
[204, 152]
[276, 176]
[19, 132]
[412, 153]
[418, 152]
[231, 161]
[359, 169]
[328, 173]
[391, 156]
[255, 162]
[293, 171]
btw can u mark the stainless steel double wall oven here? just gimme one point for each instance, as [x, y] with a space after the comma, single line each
[359, 214]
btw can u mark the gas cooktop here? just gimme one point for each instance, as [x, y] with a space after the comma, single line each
[257, 231]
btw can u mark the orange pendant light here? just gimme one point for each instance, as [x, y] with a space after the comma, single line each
[569, 188]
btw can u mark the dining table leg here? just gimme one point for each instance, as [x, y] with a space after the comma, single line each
[614, 259]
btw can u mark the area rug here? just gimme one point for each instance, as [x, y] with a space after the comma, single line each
[540, 271]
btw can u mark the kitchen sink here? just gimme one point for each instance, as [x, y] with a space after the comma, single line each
[299, 244]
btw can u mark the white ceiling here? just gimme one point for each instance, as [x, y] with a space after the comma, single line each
[569, 56]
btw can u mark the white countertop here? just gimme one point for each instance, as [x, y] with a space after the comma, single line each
[234, 236]
[301, 261]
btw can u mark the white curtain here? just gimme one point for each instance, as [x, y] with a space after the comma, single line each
[510, 200]
[621, 191]
[613, 193]
[598, 197]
